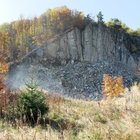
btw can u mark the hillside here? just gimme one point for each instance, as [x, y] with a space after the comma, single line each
[20, 37]
[65, 76]
[69, 119]
[73, 63]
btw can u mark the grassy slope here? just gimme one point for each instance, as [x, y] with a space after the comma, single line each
[70, 119]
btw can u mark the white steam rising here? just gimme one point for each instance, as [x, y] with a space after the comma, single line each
[44, 76]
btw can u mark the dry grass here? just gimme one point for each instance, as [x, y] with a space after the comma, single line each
[70, 119]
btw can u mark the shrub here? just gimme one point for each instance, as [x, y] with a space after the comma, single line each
[32, 102]
[133, 48]
[112, 86]
[4, 95]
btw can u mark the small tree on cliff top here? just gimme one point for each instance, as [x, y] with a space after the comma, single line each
[100, 17]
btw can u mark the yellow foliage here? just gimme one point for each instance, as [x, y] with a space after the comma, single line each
[136, 84]
[133, 48]
[3, 65]
[112, 86]
[129, 31]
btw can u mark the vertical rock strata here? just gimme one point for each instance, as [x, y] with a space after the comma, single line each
[95, 43]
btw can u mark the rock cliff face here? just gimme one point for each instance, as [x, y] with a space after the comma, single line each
[78, 61]
[95, 43]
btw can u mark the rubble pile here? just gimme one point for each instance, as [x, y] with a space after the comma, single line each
[82, 80]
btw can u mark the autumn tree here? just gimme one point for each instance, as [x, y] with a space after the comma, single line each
[12, 45]
[5, 27]
[115, 23]
[3, 92]
[20, 37]
[134, 32]
[78, 19]
[65, 17]
[4, 43]
[112, 86]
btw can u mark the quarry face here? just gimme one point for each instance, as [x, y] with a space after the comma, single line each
[73, 64]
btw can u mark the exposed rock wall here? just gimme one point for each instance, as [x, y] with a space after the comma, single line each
[79, 52]
[95, 43]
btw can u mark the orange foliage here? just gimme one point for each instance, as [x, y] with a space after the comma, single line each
[3, 65]
[2, 85]
[112, 86]
[4, 94]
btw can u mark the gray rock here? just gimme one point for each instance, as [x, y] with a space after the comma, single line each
[95, 43]
[73, 64]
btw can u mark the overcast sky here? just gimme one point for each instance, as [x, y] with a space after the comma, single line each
[128, 11]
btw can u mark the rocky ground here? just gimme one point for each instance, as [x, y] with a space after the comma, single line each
[76, 80]
[84, 80]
